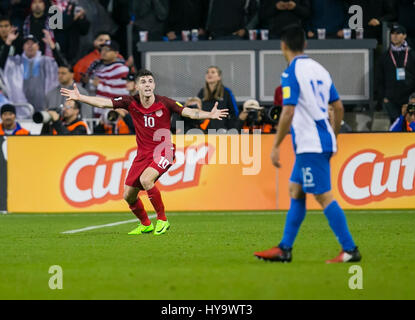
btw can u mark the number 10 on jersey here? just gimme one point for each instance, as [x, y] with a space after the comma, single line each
[149, 121]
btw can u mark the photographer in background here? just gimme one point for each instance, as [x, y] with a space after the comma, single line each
[253, 116]
[64, 120]
[406, 121]
[396, 73]
[187, 123]
[116, 121]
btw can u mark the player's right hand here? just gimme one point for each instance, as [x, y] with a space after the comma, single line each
[71, 94]
[275, 157]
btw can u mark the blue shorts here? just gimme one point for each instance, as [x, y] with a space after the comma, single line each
[312, 172]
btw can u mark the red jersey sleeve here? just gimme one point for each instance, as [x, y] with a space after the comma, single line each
[173, 105]
[121, 102]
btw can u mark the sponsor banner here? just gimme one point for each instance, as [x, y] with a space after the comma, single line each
[86, 174]
[370, 171]
[66, 174]
[3, 173]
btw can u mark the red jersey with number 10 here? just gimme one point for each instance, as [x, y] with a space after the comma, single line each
[149, 122]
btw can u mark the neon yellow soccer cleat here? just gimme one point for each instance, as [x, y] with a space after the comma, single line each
[142, 229]
[161, 227]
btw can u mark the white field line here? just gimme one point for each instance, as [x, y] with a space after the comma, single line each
[105, 225]
[209, 213]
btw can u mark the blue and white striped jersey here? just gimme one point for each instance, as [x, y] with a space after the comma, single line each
[308, 86]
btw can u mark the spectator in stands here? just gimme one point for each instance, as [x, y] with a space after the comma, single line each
[327, 14]
[230, 20]
[278, 14]
[5, 29]
[396, 73]
[16, 10]
[54, 97]
[406, 121]
[186, 15]
[100, 20]
[83, 64]
[130, 85]
[75, 25]
[406, 14]
[67, 123]
[151, 16]
[214, 91]
[9, 126]
[38, 21]
[252, 118]
[122, 17]
[374, 13]
[109, 74]
[181, 125]
[118, 121]
[28, 77]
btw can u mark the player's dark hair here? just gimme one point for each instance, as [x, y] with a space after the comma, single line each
[100, 33]
[77, 105]
[294, 37]
[5, 18]
[143, 73]
[67, 66]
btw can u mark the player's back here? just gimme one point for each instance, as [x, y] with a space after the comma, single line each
[308, 86]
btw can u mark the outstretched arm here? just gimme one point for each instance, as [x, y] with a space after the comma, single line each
[93, 101]
[215, 113]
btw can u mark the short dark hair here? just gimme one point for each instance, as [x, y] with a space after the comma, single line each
[5, 18]
[143, 73]
[78, 105]
[101, 32]
[67, 66]
[294, 37]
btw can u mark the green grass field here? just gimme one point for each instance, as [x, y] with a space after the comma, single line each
[203, 256]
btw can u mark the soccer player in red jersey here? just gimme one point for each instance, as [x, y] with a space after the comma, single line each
[151, 116]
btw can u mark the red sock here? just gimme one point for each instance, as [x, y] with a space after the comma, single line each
[155, 198]
[139, 211]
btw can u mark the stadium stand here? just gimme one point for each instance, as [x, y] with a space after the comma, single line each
[124, 20]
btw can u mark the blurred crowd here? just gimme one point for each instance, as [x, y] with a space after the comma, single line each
[46, 45]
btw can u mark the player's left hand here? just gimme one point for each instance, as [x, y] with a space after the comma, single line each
[218, 113]
[275, 157]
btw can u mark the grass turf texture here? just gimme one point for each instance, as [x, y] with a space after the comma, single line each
[203, 256]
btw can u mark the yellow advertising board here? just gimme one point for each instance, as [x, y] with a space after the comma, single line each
[369, 171]
[86, 174]
[67, 174]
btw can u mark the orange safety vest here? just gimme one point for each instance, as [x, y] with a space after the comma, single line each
[19, 131]
[265, 128]
[121, 126]
[73, 126]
